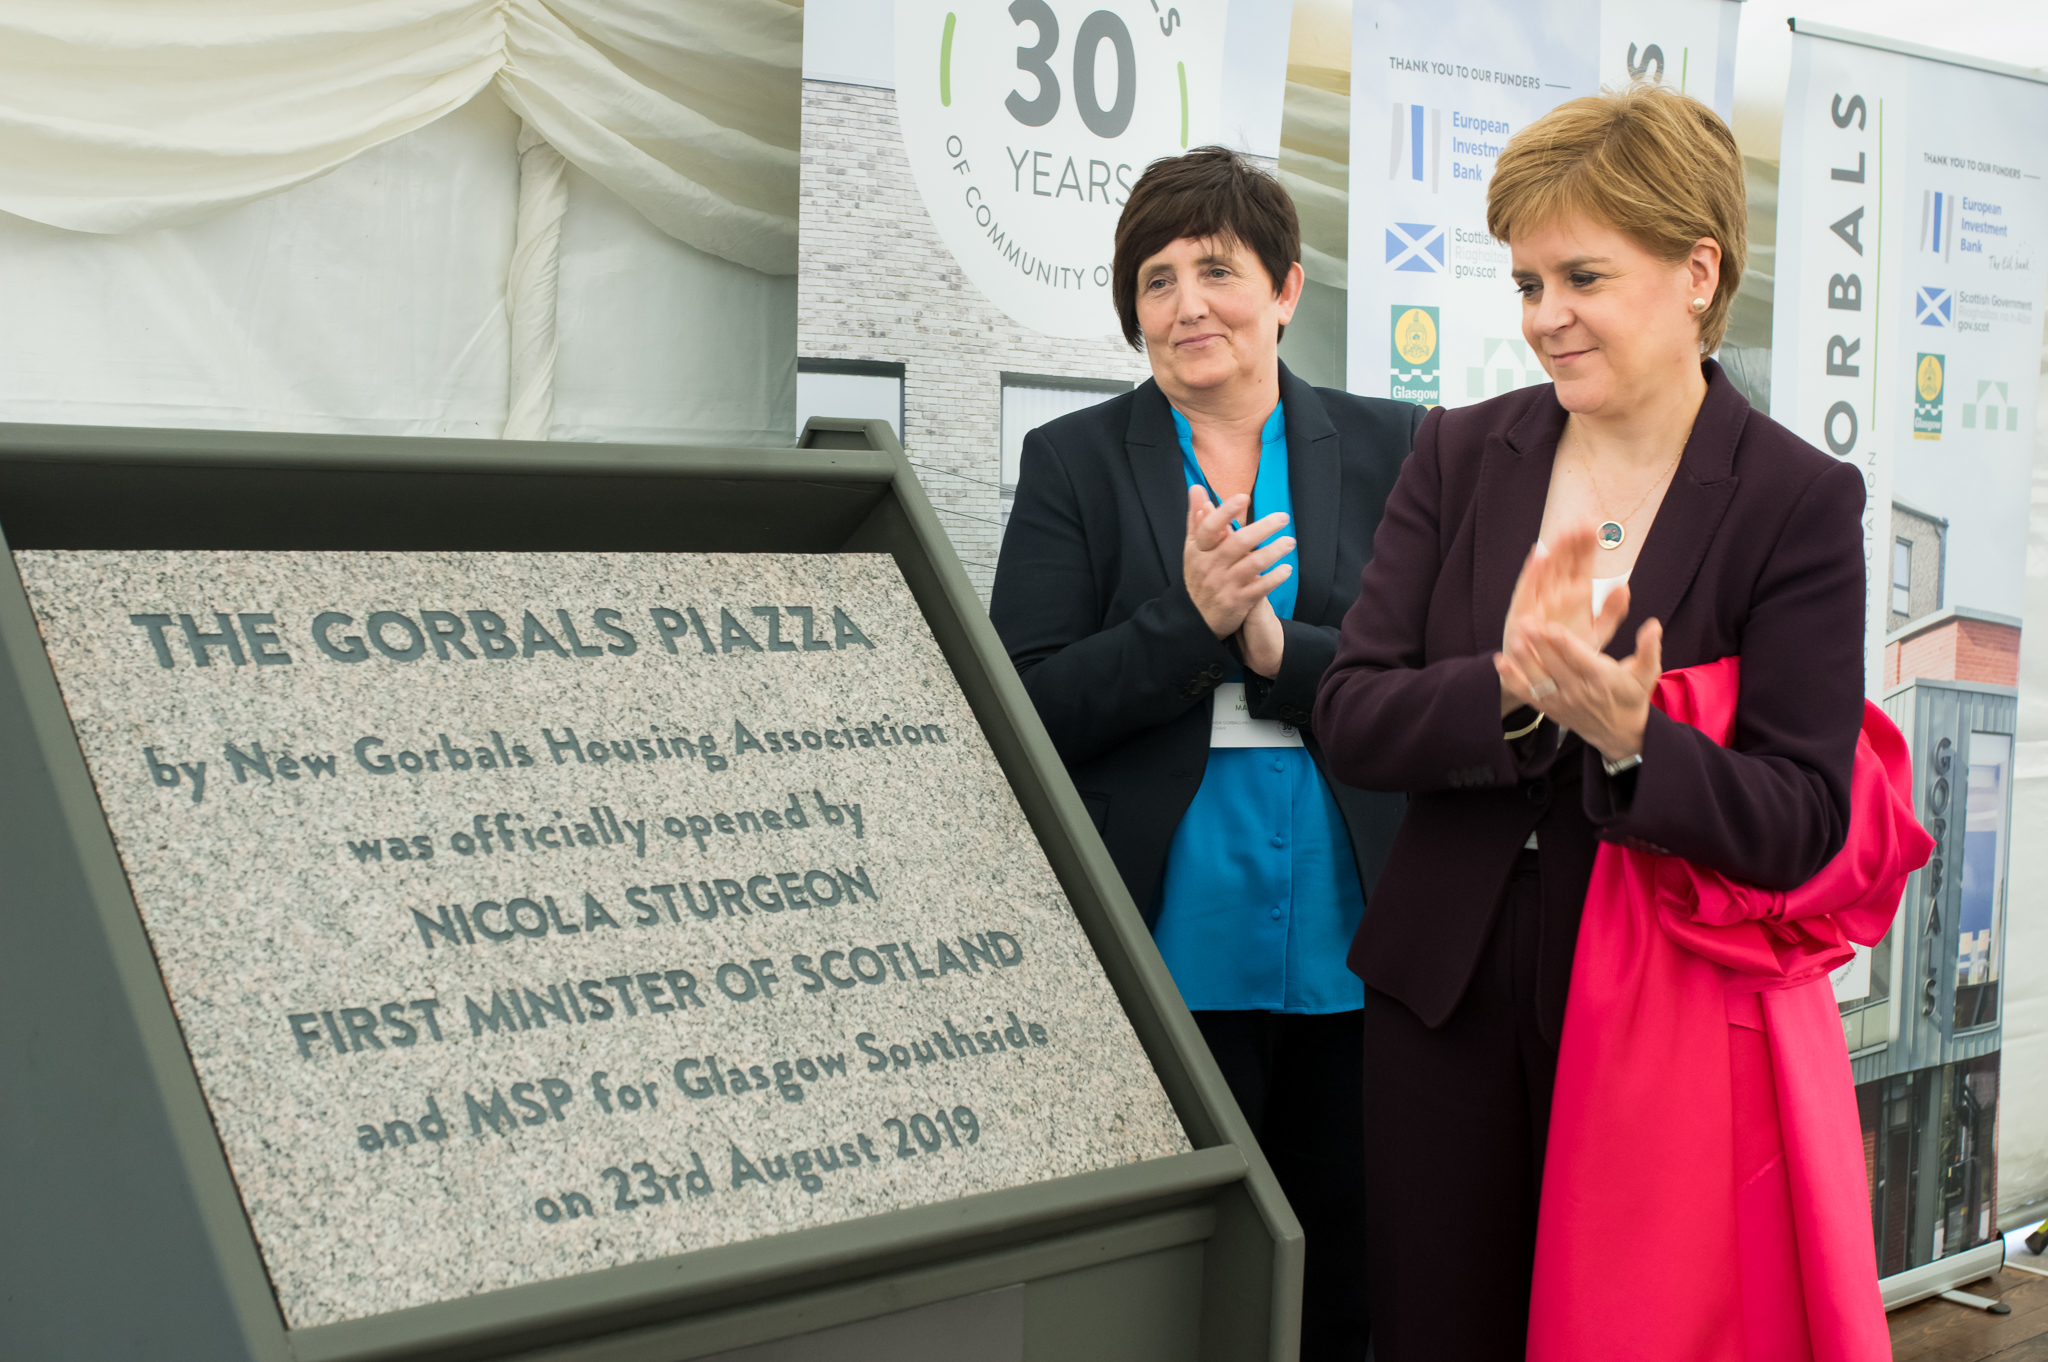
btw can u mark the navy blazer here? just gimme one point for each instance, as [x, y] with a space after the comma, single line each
[1757, 551]
[1090, 604]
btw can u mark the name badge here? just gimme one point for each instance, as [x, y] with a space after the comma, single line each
[1232, 724]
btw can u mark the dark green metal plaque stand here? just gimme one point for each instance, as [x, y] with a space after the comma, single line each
[125, 1236]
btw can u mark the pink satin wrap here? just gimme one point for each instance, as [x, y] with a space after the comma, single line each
[1703, 1188]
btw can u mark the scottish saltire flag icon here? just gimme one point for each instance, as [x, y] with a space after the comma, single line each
[1417, 142]
[1934, 306]
[1937, 222]
[1416, 246]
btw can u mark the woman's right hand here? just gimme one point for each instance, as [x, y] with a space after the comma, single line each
[1225, 569]
[1556, 589]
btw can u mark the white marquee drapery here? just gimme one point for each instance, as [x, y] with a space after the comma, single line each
[124, 116]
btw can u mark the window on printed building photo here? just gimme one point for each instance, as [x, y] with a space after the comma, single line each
[1029, 401]
[1902, 576]
[1981, 911]
[859, 388]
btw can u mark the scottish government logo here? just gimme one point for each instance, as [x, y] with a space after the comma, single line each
[1934, 306]
[1929, 378]
[1417, 368]
[1027, 123]
[1416, 246]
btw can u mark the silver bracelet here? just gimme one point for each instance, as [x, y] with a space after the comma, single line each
[1525, 732]
[1615, 768]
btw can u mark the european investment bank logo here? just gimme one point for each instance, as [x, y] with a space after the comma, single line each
[1937, 222]
[1417, 247]
[1418, 139]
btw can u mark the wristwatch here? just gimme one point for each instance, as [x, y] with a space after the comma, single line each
[1628, 763]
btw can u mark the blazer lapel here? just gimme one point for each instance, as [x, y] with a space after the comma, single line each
[1315, 472]
[1153, 449]
[1514, 482]
[1691, 513]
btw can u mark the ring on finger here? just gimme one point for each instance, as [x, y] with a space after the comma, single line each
[1542, 689]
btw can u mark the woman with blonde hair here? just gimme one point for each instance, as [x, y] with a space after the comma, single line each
[1610, 645]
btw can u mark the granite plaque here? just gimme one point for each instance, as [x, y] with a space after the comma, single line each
[529, 914]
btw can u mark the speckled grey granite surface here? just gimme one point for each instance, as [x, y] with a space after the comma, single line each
[440, 1075]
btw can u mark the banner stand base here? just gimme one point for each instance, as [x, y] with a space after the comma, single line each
[1943, 1275]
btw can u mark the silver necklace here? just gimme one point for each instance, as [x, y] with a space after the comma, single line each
[1613, 533]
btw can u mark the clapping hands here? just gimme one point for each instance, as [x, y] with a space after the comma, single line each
[1227, 575]
[1551, 645]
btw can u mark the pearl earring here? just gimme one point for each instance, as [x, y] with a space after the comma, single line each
[1699, 305]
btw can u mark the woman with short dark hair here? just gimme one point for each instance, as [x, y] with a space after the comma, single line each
[1172, 638]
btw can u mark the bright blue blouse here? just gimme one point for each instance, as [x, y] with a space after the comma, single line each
[1261, 897]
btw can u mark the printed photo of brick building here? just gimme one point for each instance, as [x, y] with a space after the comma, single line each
[1925, 1031]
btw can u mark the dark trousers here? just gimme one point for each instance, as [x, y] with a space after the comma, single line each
[1301, 1083]
[1454, 1156]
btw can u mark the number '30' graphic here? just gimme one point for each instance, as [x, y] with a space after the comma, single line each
[1036, 62]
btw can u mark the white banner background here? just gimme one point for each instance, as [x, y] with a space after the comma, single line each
[1479, 72]
[1026, 127]
[1911, 218]
[1906, 338]
[1686, 44]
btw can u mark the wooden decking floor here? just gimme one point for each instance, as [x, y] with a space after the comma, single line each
[1942, 1331]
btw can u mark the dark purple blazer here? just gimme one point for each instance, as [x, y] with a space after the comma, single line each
[1757, 551]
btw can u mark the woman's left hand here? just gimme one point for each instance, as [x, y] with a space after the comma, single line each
[1261, 641]
[1603, 701]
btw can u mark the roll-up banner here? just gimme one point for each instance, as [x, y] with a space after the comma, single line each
[1025, 128]
[1436, 91]
[1911, 217]
[1909, 288]
[963, 169]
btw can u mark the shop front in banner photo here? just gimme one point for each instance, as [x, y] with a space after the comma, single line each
[1922, 1012]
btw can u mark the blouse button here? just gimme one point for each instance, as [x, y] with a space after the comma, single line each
[1276, 915]
[1279, 841]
